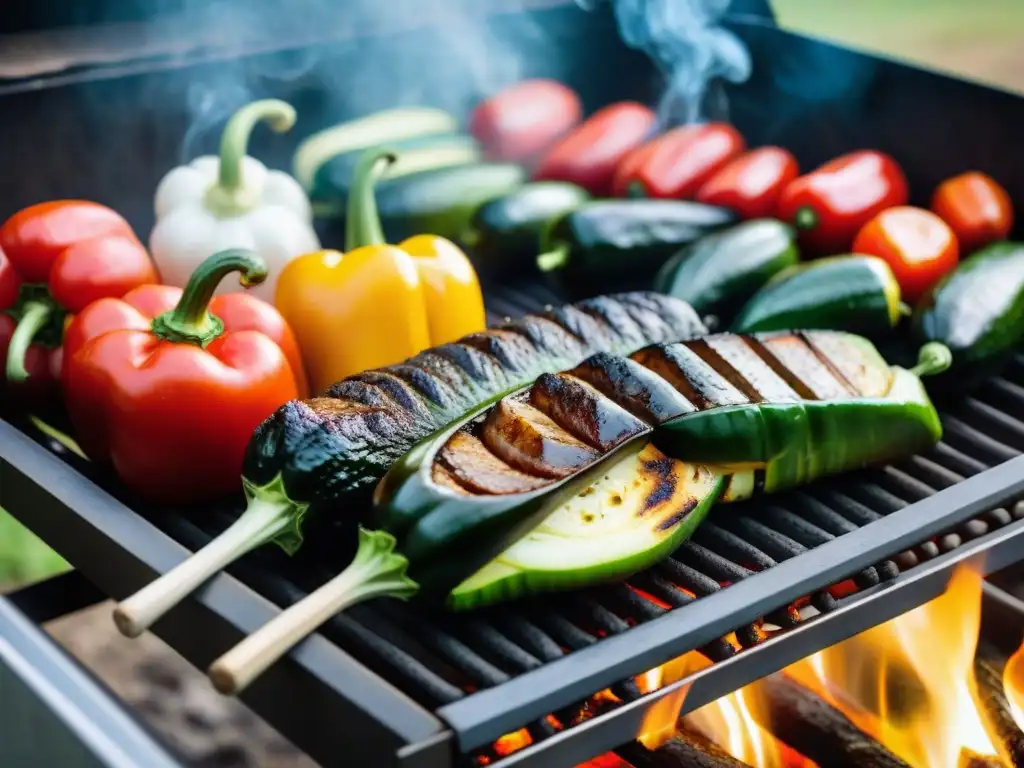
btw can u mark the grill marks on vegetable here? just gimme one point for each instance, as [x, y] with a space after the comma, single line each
[345, 440]
[566, 421]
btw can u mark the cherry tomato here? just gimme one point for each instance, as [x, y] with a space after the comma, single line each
[919, 247]
[590, 153]
[676, 164]
[525, 119]
[828, 206]
[976, 207]
[751, 183]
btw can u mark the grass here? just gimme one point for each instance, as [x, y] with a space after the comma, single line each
[979, 39]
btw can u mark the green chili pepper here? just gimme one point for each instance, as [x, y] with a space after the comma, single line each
[580, 478]
[978, 312]
[854, 293]
[720, 272]
[505, 233]
[609, 242]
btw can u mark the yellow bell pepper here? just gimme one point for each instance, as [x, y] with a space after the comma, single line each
[376, 304]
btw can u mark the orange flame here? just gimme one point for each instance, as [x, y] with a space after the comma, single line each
[1013, 685]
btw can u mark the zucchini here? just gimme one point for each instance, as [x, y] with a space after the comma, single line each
[978, 312]
[858, 294]
[720, 272]
[391, 125]
[505, 233]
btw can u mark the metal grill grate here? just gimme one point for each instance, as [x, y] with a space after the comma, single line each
[439, 659]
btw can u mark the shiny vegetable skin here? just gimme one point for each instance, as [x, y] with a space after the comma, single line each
[720, 272]
[589, 154]
[978, 312]
[331, 448]
[851, 293]
[918, 246]
[787, 409]
[519, 122]
[676, 164]
[442, 201]
[829, 205]
[606, 242]
[751, 183]
[977, 207]
[505, 233]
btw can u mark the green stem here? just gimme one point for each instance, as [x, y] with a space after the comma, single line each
[556, 258]
[227, 197]
[376, 571]
[904, 309]
[805, 218]
[932, 358]
[34, 317]
[190, 322]
[362, 222]
[269, 515]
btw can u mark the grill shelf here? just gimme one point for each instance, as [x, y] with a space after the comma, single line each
[444, 660]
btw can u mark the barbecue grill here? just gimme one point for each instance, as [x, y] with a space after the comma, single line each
[759, 586]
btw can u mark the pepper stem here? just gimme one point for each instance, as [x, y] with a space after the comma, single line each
[190, 322]
[376, 571]
[34, 317]
[805, 218]
[556, 258]
[269, 515]
[362, 222]
[932, 358]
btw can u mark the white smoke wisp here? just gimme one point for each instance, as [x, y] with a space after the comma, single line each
[686, 41]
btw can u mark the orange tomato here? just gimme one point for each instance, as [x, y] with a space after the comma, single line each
[976, 208]
[919, 247]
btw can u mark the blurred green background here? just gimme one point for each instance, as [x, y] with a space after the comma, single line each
[978, 39]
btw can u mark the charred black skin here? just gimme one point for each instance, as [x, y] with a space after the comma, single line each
[333, 449]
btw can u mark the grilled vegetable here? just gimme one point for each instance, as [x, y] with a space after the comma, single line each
[676, 164]
[768, 412]
[393, 300]
[325, 454]
[523, 120]
[388, 127]
[505, 233]
[978, 312]
[720, 272]
[589, 154]
[976, 207]
[332, 181]
[829, 205]
[606, 242]
[751, 183]
[918, 246]
[855, 293]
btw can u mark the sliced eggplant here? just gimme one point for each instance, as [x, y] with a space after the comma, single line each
[584, 412]
[793, 360]
[530, 441]
[468, 463]
[636, 388]
[683, 369]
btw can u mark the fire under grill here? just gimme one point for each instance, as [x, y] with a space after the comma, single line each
[759, 585]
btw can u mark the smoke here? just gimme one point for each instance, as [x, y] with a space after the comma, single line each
[367, 54]
[686, 41]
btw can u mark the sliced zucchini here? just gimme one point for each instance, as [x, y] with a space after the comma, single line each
[637, 513]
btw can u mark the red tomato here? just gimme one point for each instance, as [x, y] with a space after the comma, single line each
[676, 164]
[976, 207]
[829, 205]
[525, 119]
[590, 153]
[751, 183]
[918, 246]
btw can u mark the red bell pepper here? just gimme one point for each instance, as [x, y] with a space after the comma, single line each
[977, 208]
[589, 154]
[829, 205]
[677, 163]
[751, 183]
[520, 122]
[170, 398]
[56, 258]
